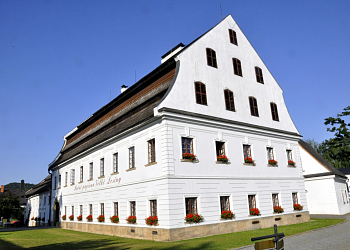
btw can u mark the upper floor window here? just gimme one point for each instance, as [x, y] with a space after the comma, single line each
[102, 167]
[211, 58]
[259, 75]
[151, 151]
[59, 181]
[91, 170]
[225, 203]
[72, 176]
[132, 157]
[201, 95]
[66, 179]
[253, 106]
[81, 173]
[187, 145]
[274, 112]
[237, 68]
[229, 102]
[233, 37]
[115, 163]
[191, 205]
[153, 207]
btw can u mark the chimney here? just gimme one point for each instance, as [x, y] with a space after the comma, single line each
[2, 188]
[22, 184]
[123, 88]
[172, 52]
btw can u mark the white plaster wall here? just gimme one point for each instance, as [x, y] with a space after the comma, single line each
[343, 204]
[310, 165]
[193, 67]
[36, 209]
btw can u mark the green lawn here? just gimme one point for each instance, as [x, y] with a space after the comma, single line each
[56, 238]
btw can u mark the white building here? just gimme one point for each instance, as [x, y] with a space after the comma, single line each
[38, 203]
[326, 187]
[212, 97]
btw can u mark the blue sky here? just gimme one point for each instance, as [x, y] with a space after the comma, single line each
[60, 61]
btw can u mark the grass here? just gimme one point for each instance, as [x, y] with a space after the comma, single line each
[55, 238]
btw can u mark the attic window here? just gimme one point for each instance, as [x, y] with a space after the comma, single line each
[259, 75]
[237, 68]
[201, 95]
[230, 105]
[253, 106]
[233, 37]
[274, 112]
[211, 58]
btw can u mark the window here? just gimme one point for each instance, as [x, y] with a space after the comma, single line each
[115, 163]
[91, 170]
[233, 37]
[187, 145]
[295, 198]
[133, 208]
[44, 200]
[151, 151]
[90, 209]
[229, 102]
[73, 210]
[343, 196]
[275, 201]
[132, 157]
[59, 181]
[102, 209]
[237, 68]
[72, 176]
[115, 205]
[81, 209]
[201, 96]
[211, 58]
[153, 207]
[81, 173]
[225, 203]
[274, 112]
[253, 106]
[247, 151]
[54, 185]
[66, 179]
[252, 201]
[65, 210]
[220, 148]
[102, 167]
[259, 75]
[269, 152]
[289, 155]
[191, 205]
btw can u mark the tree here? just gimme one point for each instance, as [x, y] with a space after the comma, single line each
[9, 206]
[337, 149]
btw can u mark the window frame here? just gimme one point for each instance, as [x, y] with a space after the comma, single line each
[191, 205]
[270, 153]
[153, 207]
[73, 211]
[102, 209]
[259, 75]
[252, 201]
[274, 112]
[295, 198]
[59, 181]
[90, 209]
[132, 208]
[131, 157]
[220, 148]
[289, 153]
[225, 203]
[275, 200]
[211, 58]
[184, 150]
[72, 176]
[66, 179]
[116, 209]
[151, 145]
[247, 153]
[115, 162]
[81, 209]
[229, 100]
[81, 173]
[55, 183]
[102, 167]
[91, 170]
[233, 36]
[237, 67]
[201, 95]
[253, 104]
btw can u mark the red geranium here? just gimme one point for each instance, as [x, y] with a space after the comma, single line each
[291, 163]
[64, 217]
[278, 209]
[298, 207]
[114, 219]
[248, 160]
[222, 158]
[79, 218]
[189, 156]
[131, 219]
[254, 211]
[193, 218]
[227, 214]
[152, 221]
[89, 217]
[71, 217]
[101, 218]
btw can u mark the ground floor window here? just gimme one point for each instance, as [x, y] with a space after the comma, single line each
[252, 201]
[275, 201]
[102, 209]
[115, 204]
[90, 209]
[133, 208]
[81, 209]
[295, 198]
[153, 207]
[225, 203]
[191, 205]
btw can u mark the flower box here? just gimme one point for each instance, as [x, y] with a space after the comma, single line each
[254, 211]
[278, 209]
[189, 156]
[222, 158]
[71, 217]
[248, 160]
[297, 207]
[80, 218]
[101, 218]
[152, 221]
[89, 218]
[193, 218]
[43, 219]
[36, 218]
[131, 219]
[114, 219]
[227, 214]
[64, 217]
[272, 162]
[291, 163]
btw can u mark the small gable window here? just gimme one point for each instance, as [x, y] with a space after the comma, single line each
[211, 58]
[229, 102]
[259, 75]
[274, 112]
[253, 106]
[201, 96]
[237, 68]
[233, 37]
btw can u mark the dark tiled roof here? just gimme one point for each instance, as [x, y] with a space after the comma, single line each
[344, 170]
[321, 160]
[43, 186]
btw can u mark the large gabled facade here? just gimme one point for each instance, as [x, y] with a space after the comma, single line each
[212, 99]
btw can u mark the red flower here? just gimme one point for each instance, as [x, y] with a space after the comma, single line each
[152, 221]
[227, 214]
[114, 219]
[298, 207]
[89, 217]
[101, 218]
[222, 158]
[272, 162]
[79, 218]
[254, 211]
[63, 217]
[131, 219]
[189, 156]
[278, 209]
[248, 160]
[71, 217]
[291, 163]
[196, 218]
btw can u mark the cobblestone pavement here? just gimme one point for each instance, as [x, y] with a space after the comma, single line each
[333, 237]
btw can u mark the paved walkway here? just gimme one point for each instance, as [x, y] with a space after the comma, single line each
[333, 237]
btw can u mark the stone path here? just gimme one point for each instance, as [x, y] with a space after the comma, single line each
[333, 237]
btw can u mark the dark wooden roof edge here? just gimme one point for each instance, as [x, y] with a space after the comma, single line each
[344, 170]
[42, 186]
[324, 174]
[182, 112]
[319, 158]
